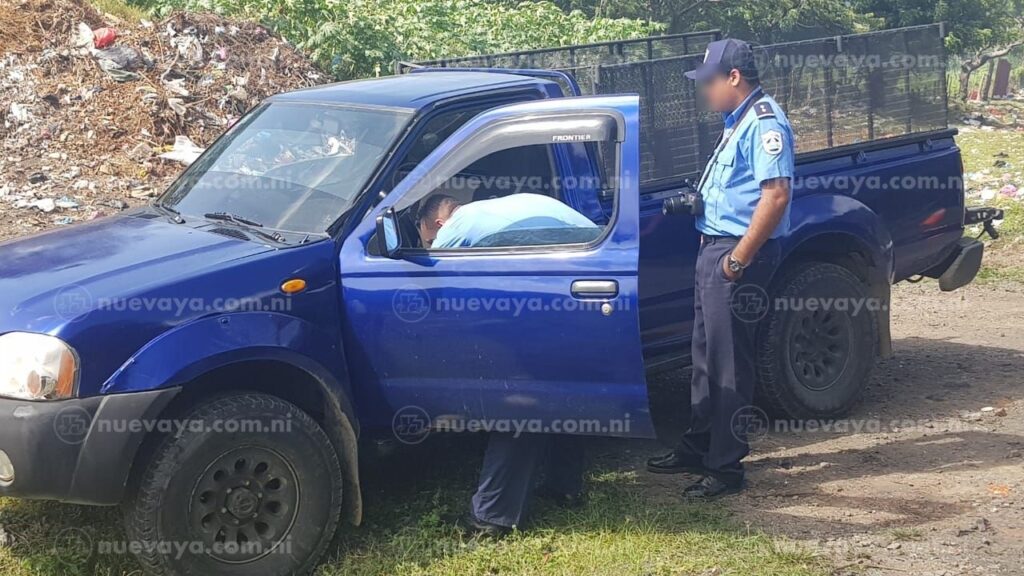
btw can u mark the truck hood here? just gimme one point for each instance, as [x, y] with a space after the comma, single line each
[46, 280]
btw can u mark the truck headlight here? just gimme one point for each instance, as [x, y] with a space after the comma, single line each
[36, 367]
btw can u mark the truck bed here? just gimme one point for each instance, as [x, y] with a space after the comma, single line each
[837, 92]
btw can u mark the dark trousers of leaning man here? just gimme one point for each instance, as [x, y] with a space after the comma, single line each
[726, 316]
[513, 466]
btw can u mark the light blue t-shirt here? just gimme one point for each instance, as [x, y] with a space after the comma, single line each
[761, 148]
[475, 221]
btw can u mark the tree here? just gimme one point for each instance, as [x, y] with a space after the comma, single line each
[762, 21]
[978, 30]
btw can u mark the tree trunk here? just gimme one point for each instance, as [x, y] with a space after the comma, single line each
[965, 81]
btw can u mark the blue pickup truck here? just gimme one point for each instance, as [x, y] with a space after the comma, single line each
[213, 361]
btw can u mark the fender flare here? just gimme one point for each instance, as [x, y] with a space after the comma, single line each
[822, 214]
[181, 355]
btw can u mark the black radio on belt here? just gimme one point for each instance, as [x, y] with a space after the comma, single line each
[686, 202]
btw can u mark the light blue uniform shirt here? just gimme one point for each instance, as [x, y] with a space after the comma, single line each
[477, 220]
[761, 148]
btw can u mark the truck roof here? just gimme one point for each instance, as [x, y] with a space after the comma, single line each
[412, 91]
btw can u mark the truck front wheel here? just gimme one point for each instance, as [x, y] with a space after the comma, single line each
[817, 343]
[245, 484]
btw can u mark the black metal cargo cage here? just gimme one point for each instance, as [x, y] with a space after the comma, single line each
[837, 91]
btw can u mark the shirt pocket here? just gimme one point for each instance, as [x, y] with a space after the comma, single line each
[724, 167]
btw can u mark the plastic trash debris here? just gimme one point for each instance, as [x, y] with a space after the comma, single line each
[176, 86]
[65, 203]
[184, 151]
[104, 37]
[85, 37]
[117, 73]
[21, 113]
[123, 56]
[239, 94]
[119, 61]
[178, 105]
[1008, 191]
[188, 47]
[987, 194]
[44, 204]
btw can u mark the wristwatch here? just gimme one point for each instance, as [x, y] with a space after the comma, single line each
[735, 266]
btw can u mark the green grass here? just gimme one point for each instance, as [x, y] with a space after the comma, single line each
[998, 274]
[1004, 258]
[980, 149]
[906, 534]
[412, 504]
[120, 9]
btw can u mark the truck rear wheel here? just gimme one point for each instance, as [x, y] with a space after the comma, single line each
[249, 485]
[816, 346]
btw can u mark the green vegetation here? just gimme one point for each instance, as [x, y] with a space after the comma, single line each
[413, 501]
[364, 38]
[119, 9]
[907, 534]
[982, 150]
[999, 274]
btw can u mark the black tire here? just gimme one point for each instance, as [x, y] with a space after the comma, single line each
[816, 364]
[252, 485]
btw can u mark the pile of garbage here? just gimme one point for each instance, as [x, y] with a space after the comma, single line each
[98, 114]
[1007, 114]
[999, 180]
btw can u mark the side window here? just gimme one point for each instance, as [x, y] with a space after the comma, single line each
[513, 197]
[435, 131]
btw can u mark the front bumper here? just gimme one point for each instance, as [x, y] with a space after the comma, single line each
[78, 450]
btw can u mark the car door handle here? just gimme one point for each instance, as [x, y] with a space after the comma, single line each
[595, 289]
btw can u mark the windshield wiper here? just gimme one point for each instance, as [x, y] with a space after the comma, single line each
[227, 216]
[234, 218]
[173, 214]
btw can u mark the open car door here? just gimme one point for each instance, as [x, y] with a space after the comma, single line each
[536, 334]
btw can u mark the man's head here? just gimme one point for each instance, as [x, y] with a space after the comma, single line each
[727, 75]
[433, 213]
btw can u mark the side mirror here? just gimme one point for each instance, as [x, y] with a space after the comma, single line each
[389, 236]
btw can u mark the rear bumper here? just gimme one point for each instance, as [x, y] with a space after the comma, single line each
[961, 266]
[77, 450]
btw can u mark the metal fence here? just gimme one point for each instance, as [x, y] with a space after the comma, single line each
[581, 55]
[837, 91]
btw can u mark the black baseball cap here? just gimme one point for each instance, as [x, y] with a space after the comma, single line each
[722, 56]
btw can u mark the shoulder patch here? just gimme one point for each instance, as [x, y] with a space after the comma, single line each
[764, 110]
[771, 141]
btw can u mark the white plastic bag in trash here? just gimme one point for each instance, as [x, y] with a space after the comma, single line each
[185, 151]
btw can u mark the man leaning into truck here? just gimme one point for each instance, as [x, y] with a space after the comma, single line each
[746, 193]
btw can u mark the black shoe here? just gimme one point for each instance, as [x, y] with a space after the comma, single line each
[560, 499]
[709, 488]
[476, 528]
[673, 463]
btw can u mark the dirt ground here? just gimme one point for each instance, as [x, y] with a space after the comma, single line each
[926, 477]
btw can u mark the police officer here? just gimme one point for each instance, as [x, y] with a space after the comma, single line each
[746, 192]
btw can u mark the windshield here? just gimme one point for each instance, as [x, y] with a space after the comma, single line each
[289, 167]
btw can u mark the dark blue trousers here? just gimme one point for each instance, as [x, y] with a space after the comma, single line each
[726, 316]
[512, 468]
